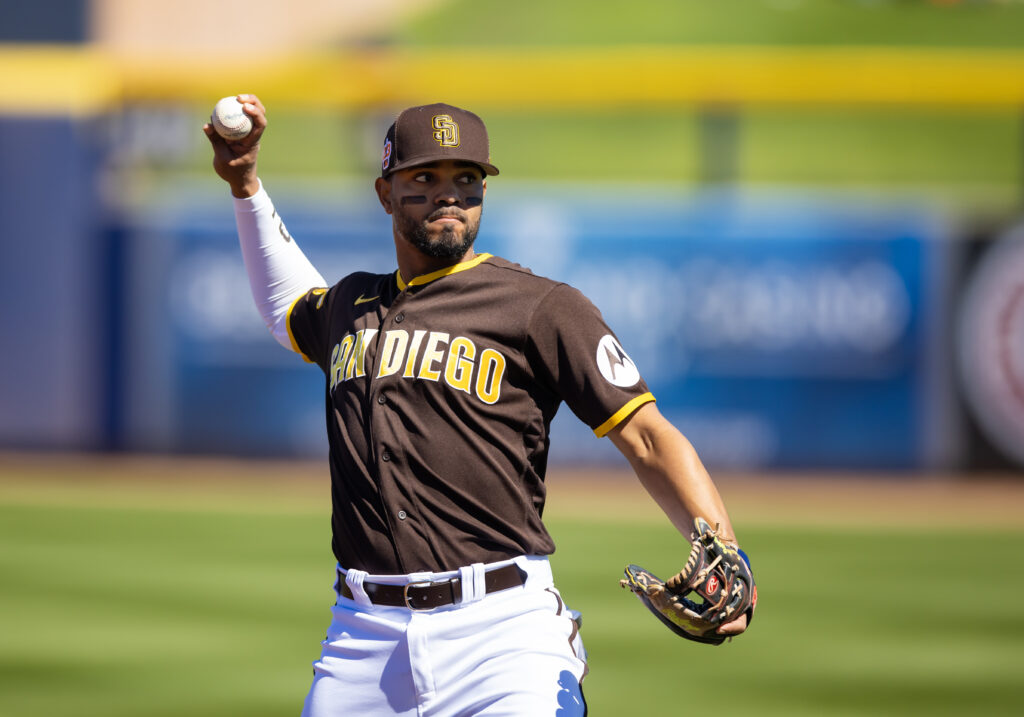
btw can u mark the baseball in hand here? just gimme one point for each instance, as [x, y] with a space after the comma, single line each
[229, 120]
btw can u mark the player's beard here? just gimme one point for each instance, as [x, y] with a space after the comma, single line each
[450, 244]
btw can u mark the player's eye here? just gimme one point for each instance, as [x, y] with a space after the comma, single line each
[422, 177]
[468, 178]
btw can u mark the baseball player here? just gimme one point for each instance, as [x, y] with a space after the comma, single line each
[441, 380]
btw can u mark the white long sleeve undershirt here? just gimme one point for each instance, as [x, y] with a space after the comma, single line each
[279, 273]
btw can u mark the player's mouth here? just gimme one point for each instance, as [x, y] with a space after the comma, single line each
[447, 217]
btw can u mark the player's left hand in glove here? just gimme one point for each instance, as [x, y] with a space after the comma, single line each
[714, 589]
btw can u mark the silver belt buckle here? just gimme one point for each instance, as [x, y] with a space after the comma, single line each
[426, 584]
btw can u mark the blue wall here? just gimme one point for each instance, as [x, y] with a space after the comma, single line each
[53, 384]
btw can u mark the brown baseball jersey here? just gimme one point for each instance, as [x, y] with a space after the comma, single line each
[440, 394]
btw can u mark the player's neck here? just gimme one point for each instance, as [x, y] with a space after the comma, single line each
[412, 262]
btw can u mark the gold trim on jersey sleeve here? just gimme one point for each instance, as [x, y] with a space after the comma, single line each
[453, 269]
[623, 413]
[288, 327]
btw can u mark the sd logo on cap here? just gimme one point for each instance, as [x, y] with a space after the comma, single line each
[430, 133]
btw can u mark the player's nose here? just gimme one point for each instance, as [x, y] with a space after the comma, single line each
[447, 194]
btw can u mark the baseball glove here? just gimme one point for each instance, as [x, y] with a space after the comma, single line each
[715, 588]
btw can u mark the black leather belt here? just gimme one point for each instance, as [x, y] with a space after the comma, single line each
[428, 595]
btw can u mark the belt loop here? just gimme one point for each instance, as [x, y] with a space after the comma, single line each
[354, 579]
[472, 581]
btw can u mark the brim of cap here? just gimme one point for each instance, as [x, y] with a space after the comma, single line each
[489, 169]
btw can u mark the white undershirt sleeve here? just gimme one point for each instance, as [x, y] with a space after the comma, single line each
[279, 273]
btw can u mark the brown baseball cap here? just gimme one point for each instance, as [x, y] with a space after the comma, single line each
[429, 133]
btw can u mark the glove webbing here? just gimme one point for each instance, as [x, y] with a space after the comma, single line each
[682, 578]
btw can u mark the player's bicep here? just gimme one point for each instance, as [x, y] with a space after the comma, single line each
[637, 435]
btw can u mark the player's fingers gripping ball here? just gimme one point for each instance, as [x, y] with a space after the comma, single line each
[715, 588]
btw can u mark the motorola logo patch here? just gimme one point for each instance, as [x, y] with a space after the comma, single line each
[615, 364]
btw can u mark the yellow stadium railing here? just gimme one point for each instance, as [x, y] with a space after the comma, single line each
[70, 80]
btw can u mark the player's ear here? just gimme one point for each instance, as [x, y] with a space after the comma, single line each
[383, 187]
[484, 185]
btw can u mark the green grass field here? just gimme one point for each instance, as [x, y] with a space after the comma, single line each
[772, 22]
[136, 598]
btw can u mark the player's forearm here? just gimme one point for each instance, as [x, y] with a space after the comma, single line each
[679, 483]
[671, 471]
[278, 271]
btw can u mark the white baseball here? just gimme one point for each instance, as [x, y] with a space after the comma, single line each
[229, 120]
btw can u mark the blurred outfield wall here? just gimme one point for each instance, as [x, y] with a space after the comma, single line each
[775, 329]
[778, 325]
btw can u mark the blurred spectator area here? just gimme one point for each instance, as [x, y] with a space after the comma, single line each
[229, 27]
[133, 28]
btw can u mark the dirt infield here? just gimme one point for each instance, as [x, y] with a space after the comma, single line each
[817, 498]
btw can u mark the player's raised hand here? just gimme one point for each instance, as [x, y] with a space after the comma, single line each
[235, 160]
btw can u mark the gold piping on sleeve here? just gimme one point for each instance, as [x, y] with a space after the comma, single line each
[291, 336]
[622, 414]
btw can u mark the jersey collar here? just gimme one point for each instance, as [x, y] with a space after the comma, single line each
[453, 269]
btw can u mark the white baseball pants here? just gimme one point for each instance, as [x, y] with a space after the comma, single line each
[514, 653]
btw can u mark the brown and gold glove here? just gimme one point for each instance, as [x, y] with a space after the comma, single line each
[715, 588]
